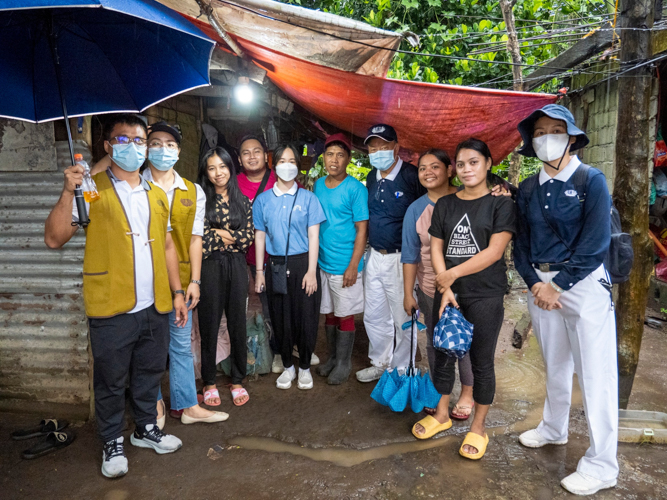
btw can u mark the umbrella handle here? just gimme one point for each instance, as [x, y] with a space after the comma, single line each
[411, 366]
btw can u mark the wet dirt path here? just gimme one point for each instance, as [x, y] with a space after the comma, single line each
[336, 443]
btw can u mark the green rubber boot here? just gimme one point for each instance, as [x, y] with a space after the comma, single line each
[344, 345]
[325, 369]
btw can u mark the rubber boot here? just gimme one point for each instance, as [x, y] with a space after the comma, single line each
[325, 369]
[344, 345]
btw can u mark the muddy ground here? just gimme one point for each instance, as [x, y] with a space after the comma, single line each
[337, 443]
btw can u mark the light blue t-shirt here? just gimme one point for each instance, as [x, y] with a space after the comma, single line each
[343, 205]
[270, 214]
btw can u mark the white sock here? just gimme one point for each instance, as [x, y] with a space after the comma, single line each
[291, 370]
[301, 371]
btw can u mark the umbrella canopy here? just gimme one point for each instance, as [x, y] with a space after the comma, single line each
[114, 55]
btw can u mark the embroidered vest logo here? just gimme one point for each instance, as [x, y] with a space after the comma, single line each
[462, 242]
[570, 193]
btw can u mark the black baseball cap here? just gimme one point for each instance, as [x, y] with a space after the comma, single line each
[383, 131]
[165, 127]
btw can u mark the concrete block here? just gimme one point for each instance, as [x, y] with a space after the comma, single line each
[27, 146]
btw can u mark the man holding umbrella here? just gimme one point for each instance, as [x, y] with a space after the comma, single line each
[129, 265]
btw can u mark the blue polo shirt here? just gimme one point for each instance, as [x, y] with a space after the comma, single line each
[271, 214]
[584, 226]
[343, 205]
[388, 201]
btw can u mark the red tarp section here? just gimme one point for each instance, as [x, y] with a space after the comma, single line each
[424, 115]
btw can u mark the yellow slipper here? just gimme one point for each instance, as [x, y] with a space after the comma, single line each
[476, 441]
[431, 426]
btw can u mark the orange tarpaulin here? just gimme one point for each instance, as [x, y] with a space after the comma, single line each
[424, 115]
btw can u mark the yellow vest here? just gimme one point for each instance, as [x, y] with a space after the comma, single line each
[183, 209]
[109, 286]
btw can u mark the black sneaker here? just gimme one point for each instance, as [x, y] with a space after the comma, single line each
[114, 461]
[151, 436]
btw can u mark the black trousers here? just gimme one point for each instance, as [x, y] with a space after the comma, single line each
[295, 317]
[487, 317]
[224, 289]
[133, 346]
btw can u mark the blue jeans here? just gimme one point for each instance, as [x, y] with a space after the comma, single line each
[181, 365]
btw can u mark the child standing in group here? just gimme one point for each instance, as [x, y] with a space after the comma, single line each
[469, 233]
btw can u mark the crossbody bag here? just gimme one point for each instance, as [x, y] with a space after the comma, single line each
[280, 272]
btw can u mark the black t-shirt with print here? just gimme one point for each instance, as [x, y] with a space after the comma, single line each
[466, 227]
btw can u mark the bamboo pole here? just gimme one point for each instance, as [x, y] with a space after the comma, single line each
[631, 183]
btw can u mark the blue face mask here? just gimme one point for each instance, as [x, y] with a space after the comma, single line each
[382, 160]
[129, 157]
[163, 158]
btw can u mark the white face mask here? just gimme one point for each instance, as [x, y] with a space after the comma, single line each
[287, 171]
[551, 147]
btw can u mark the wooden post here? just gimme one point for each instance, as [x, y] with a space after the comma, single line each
[515, 53]
[631, 183]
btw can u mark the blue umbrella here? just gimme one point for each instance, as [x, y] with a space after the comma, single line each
[412, 388]
[69, 58]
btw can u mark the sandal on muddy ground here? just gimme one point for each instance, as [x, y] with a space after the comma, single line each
[239, 393]
[210, 395]
[431, 427]
[476, 441]
[54, 441]
[45, 426]
[457, 414]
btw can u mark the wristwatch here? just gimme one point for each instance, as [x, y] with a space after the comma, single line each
[196, 282]
[175, 292]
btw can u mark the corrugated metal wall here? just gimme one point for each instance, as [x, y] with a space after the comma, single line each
[43, 328]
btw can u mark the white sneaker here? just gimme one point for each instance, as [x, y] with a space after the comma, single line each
[152, 437]
[285, 380]
[583, 484]
[305, 380]
[114, 461]
[370, 374]
[314, 360]
[277, 365]
[533, 439]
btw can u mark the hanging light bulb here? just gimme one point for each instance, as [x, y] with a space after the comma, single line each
[243, 91]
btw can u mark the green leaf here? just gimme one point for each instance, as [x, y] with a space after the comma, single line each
[434, 3]
[410, 4]
[464, 28]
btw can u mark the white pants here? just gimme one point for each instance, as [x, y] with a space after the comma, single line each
[383, 311]
[342, 301]
[581, 338]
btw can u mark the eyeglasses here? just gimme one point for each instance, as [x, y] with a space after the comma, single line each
[377, 191]
[159, 144]
[123, 139]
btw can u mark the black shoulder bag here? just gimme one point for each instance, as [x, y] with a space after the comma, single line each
[280, 272]
[265, 180]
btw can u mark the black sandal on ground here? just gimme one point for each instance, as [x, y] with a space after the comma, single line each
[54, 441]
[45, 426]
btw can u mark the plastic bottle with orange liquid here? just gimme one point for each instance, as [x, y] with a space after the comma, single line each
[90, 192]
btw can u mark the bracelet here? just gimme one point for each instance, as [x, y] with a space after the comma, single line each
[196, 282]
[556, 287]
[176, 292]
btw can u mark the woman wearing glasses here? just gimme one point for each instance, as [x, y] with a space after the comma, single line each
[228, 232]
[186, 214]
[469, 233]
[287, 225]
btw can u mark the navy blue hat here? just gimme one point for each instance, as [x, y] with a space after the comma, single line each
[556, 112]
[384, 132]
[165, 127]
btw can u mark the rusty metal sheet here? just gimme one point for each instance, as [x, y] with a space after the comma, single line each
[43, 327]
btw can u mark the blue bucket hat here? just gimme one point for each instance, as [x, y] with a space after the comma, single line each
[556, 112]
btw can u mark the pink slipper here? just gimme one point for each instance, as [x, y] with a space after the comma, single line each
[211, 394]
[237, 393]
[460, 416]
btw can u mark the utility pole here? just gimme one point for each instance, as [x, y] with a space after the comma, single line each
[631, 183]
[515, 53]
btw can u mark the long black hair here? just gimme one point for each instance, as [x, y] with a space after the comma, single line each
[475, 145]
[237, 204]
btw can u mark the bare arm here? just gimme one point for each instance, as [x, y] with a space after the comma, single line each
[409, 278]
[58, 228]
[309, 283]
[438, 262]
[196, 252]
[350, 275]
[175, 282]
[260, 245]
